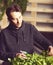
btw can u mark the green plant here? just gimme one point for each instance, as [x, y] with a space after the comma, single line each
[6, 3]
[33, 59]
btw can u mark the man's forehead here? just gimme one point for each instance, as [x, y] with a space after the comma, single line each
[15, 14]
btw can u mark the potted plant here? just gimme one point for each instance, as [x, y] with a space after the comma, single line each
[33, 59]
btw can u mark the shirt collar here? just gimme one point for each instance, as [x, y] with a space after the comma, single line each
[12, 27]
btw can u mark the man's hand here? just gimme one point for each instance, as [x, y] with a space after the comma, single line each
[21, 55]
[50, 53]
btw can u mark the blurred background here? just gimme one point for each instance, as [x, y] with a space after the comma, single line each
[37, 12]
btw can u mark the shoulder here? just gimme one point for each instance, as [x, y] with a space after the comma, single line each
[28, 24]
[4, 30]
[30, 27]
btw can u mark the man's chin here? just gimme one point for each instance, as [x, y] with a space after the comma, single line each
[17, 25]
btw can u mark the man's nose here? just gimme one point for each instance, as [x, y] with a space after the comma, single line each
[17, 20]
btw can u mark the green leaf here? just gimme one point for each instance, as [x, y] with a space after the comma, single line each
[33, 59]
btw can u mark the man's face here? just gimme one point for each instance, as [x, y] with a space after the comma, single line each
[16, 18]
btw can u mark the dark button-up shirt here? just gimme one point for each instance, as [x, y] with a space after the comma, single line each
[14, 40]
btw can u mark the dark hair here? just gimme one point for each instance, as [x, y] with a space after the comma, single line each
[12, 8]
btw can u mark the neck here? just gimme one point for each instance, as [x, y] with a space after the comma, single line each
[15, 26]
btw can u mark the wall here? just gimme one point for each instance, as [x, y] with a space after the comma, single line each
[39, 13]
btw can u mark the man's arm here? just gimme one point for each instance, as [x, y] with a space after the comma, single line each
[42, 41]
[4, 54]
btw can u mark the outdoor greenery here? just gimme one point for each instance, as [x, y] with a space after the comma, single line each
[6, 3]
[33, 59]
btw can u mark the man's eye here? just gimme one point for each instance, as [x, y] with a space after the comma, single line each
[12, 19]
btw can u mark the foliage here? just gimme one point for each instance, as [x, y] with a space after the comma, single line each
[6, 3]
[33, 59]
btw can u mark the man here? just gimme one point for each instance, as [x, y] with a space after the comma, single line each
[20, 36]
